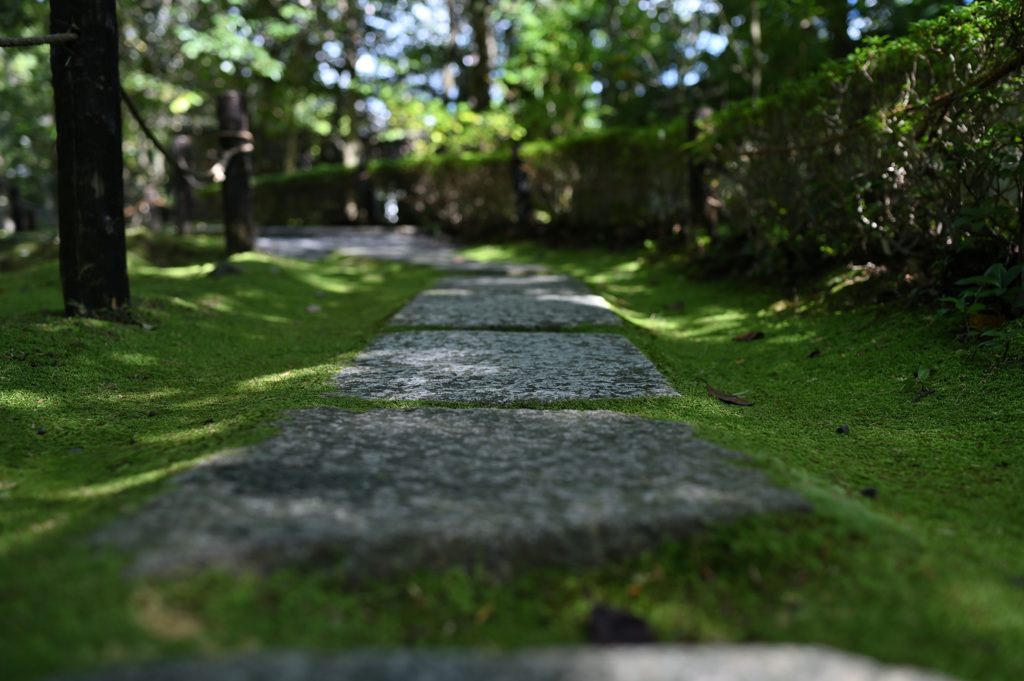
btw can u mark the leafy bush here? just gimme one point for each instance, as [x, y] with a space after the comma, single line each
[908, 149]
[986, 302]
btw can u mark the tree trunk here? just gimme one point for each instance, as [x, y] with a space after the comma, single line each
[451, 55]
[756, 50]
[485, 49]
[521, 188]
[237, 188]
[90, 186]
[838, 23]
[17, 216]
[703, 208]
[181, 190]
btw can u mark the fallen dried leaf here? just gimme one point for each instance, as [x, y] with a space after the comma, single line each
[980, 322]
[484, 613]
[749, 336]
[725, 397]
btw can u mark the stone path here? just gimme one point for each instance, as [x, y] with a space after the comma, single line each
[498, 367]
[388, 490]
[711, 662]
[526, 302]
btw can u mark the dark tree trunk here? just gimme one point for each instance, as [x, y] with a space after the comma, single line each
[838, 15]
[181, 190]
[485, 49]
[1020, 221]
[703, 206]
[451, 52]
[237, 188]
[17, 216]
[90, 188]
[366, 199]
[521, 187]
[154, 208]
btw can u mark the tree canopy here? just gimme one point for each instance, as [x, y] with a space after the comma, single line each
[325, 78]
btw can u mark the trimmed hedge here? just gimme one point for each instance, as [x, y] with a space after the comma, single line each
[910, 148]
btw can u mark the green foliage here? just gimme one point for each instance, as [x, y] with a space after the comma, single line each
[908, 149]
[997, 292]
[906, 152]
[27, 134]
[927, 573]
[997, 282]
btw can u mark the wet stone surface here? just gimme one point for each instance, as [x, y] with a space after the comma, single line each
[709, 662]
[490, 302]
[501, 367]
[388, 491]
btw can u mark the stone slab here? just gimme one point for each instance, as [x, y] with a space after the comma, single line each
[500, 367]
[392, 490]
[526, 285]
[708, 662]
[528, 302]
[401, 244]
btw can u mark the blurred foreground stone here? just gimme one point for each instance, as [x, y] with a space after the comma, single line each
[395, 490]
[711, 662]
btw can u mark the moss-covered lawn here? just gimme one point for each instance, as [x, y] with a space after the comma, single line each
[95, 415]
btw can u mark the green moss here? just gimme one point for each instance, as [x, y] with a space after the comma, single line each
[94, 415]
[927, 573]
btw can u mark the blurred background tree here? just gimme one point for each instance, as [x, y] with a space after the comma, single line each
[347, 80]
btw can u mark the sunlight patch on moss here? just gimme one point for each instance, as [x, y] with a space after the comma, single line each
[117, 485]
[179, 273]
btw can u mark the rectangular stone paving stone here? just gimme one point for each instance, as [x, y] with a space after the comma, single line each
[403, 244]
[528, 302]
[676, 662]
[501, 367]
[393, 490]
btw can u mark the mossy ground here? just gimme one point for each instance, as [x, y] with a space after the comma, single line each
[930, 572]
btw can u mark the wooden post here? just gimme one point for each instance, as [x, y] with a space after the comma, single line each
[366, 195]
[181, 190]
[90, 188]
[703, 206]
[521, 187]
[237, 187]
[17, 217]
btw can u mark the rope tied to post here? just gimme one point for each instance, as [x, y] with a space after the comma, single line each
[239, 134]
[217, 173]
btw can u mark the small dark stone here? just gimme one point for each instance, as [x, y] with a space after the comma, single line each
[870, 492]
[608, 625]
[40, 432]
[843, 430]
[151, 414]
[224, 268]
[131, 441]
[207, 421]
